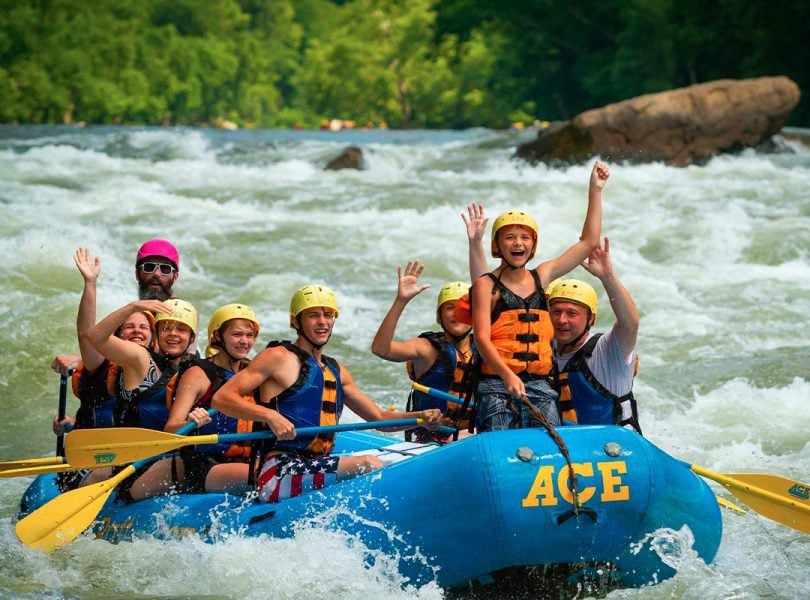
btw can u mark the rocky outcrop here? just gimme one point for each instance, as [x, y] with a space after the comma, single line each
[679, 127]
[350, 158]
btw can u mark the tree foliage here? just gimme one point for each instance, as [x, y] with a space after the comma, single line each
[420, 63]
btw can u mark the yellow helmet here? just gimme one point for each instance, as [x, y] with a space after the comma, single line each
[550, 287]
[573, 290]
[514, 217]
[450, 292]
[227, 313]
[313, 295]
[182, 312]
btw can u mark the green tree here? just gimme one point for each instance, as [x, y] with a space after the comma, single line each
[424, 63]
[371, 64]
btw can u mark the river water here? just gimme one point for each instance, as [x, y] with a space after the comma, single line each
[716, 257]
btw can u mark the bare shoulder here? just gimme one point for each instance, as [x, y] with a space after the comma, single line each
[544, 271]
[483, 283]
[424, 349]
[267, 359]
[193, 375]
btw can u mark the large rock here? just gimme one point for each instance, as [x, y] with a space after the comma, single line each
[679, 127]
[350, 158]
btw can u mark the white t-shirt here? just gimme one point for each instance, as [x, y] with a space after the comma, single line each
[607, 363]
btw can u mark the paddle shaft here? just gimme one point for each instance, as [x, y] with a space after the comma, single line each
[60, 439]
[121, 445]
[436, 393]
[93, 448]
[36, 470]
[24, 463]
[305, 431]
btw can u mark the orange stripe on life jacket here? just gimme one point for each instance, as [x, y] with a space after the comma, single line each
[567, 409]
[322, 445]
[523, 340]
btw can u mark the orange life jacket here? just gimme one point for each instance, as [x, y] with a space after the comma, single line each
[521, 331]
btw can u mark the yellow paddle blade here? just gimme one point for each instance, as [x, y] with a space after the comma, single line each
[776, 483]
[777, 498]
[726, 503]
[25, 471]
[64, 518]
[93, 448]
[30, 462]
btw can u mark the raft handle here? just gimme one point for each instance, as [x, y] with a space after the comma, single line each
[575, 512]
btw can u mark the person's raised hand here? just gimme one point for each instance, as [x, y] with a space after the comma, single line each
[409, 285]
[475, 221]
[88, 266]
[600, 174]
[598, 262]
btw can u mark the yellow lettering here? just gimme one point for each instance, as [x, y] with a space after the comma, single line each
[611, 471]
[543, 492]
[580, 469]
[103, 528]
[542, 486]
[113, 532]
[181, 532]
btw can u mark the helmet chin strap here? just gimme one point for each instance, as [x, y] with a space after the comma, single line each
[178, 355]
[300, 331]
[509, 265]
[573, 343]
[457, 338]
[232, 360]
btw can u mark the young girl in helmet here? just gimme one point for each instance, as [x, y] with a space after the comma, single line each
[437, 360]
[510, 315]
[232, 331]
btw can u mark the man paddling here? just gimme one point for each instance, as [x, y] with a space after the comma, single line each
[595, 370]
[299, 386]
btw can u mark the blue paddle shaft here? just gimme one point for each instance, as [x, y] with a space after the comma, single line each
[445, 396]
[258, 435]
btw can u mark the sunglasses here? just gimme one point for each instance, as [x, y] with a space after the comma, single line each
[149, 267]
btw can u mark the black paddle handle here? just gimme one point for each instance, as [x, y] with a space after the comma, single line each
[60, 439]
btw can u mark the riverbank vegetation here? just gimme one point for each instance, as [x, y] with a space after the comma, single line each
[414, 63]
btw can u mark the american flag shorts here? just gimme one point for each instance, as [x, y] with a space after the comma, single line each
[286, 476]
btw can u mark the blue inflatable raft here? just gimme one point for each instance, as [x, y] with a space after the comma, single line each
[461, 512]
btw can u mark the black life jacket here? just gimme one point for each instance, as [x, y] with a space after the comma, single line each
[145, 408]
